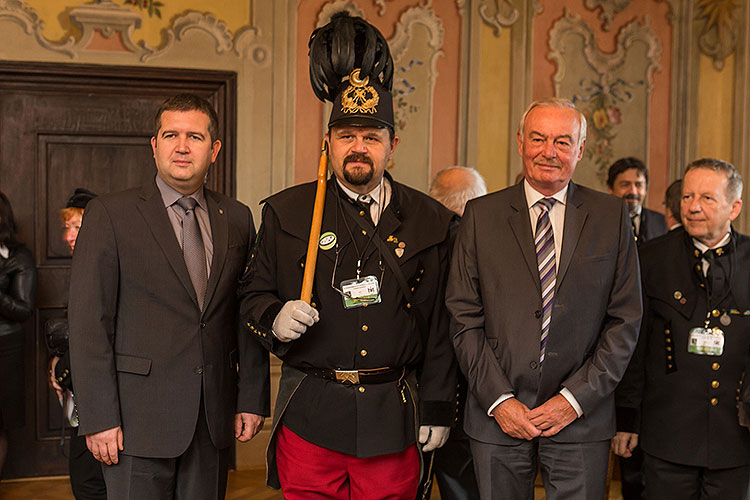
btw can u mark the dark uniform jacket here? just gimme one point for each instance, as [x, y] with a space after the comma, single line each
[361, 420]
[684, 405]
[652, 225]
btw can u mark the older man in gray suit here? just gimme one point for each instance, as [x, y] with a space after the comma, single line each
[154, 323]
[545, 301]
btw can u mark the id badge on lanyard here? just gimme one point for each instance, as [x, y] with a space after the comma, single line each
[358, 292]
[706, 341]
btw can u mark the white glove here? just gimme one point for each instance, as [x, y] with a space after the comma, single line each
[433, 436]
[293, 319]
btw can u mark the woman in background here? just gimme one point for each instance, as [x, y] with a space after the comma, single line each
[86, 478]
[17, 288]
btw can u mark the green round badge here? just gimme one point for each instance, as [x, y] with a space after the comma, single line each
[327, 241]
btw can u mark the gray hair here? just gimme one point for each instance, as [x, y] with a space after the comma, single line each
[734, 179]
[455, 195]
[556, 102]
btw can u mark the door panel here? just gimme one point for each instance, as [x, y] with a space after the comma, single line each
[69, 126]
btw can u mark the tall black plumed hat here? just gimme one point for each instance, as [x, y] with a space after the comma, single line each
[351, 66]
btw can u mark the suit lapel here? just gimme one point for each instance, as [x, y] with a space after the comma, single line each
[521, 226]
[220, 232]
[151, 207]
[575, 217]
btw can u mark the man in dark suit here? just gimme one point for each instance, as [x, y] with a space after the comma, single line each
[672, 202]
[154, 325]
[628, 179]
[679, 397]
[545, 302]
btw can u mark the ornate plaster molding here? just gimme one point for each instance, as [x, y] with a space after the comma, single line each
[191, 20]
[329, 9]
[108, 19]
[20, 13]
[609, 9]
[498, 14]
[718, 39]
[461, 6]
[604, 64]
[420, 14]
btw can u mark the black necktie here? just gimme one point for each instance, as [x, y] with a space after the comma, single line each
[364, 201]
[193, 250]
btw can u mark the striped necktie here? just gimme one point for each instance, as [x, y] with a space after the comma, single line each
[544, 241]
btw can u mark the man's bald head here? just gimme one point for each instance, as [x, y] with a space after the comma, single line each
[454, 186]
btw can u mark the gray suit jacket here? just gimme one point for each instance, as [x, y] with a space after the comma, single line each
[141, 350]
[495, 302]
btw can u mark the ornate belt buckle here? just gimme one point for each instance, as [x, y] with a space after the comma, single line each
[351, 376]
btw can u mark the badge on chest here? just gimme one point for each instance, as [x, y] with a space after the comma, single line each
[706, 341]
[358, 292]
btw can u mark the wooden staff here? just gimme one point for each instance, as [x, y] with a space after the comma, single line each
[317, 222]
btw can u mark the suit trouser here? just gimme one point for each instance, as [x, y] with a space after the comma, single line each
[200, 473]
[570, 471]
[86, 479]
[670, 481]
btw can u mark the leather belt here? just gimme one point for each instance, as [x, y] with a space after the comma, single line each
[369, 376]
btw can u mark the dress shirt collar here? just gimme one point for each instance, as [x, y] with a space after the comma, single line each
[532, 195]
[375, 209]
[170, 196]
[702, 247]
[637, 211]
[4, 252]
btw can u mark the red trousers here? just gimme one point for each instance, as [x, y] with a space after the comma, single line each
[310, 472]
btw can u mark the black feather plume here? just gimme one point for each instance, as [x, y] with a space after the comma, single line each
[344, 44]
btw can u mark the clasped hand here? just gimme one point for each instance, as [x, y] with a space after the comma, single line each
[518, 421]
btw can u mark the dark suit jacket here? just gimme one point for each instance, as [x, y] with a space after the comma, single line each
[684, 405]
[495, 302]
[652, 225]
[141, 349]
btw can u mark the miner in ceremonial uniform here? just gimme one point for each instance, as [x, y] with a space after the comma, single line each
[368, 370]
[680, 396]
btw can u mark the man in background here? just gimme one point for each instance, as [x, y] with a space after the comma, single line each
[454, 467]
[672, 200]
[628, 179]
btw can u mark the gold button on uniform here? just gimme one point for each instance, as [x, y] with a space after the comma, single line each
[714, 401]
[715, 366]
[364, 233]
[715, 313]
[364, 328]
[667, 331]
[362, 213]
[715, 384]
[363, 353]
[361, 389]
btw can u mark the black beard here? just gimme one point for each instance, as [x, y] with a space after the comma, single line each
[358, 177]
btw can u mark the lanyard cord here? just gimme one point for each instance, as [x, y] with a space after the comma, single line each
[351, 234]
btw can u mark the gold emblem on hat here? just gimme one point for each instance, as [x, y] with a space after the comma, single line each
[359, 97]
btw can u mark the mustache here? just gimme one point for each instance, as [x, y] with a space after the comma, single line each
[359, 158]
[633, 197]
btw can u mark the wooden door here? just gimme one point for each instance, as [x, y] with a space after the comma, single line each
[69, 126]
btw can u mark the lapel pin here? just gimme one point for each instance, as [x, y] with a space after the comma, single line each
[402, 244]
[327, 241]
[399, 252]
[677, 295]
[221, 211]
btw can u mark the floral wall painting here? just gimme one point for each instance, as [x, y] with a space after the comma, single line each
[611, 89]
